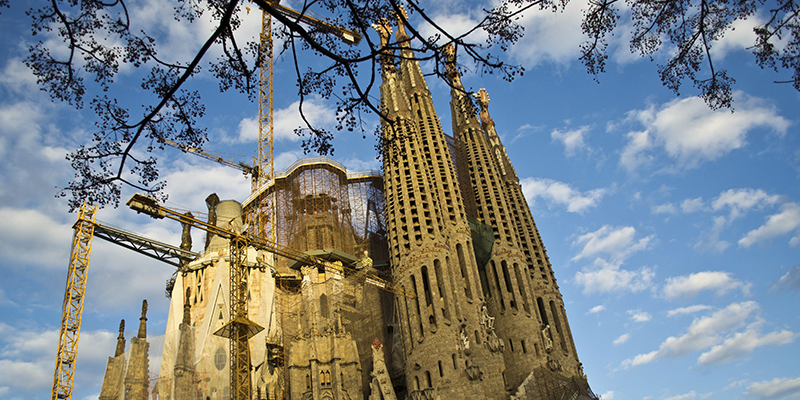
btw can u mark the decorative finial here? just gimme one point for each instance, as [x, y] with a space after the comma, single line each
[384, 30]
[143, 321]
[186, 235]
[377, 344]
[402, 18]
[187, 307]
[120, 339]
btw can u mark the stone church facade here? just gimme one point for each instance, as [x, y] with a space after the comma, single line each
[477, 315]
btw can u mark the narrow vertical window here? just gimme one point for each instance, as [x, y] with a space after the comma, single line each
[522, 291]
[557, 322]
[437, 268]
[499, 288]
[542, 312]
[419, 306]
[462, 264]
[509, 286]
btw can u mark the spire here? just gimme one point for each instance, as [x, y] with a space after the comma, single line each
[187, 308]
[120, 339]
[487, 123]
[143, 321]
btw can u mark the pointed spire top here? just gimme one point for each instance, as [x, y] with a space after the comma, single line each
[120, 339]
[187, 307]
[450, 65]
[384, 30]
[143, 321]
[486, 121]
[402, 18]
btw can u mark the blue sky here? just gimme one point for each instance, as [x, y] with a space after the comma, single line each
[673, 230]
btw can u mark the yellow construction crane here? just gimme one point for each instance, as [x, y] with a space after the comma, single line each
[86, 228]
[261, 172]
[265, 163]
[73, 303]
[240, 328]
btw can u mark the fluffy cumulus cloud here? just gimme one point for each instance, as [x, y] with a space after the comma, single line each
[786, 221]
[666, 208]
[615, 244]
[640, 316]
[27, 356]
[720, 333]
[286, 120]
[550, 37]
[690, 285]
[692, 205]
[743, 343]
[778, 388]
[690, 133]
[571, 139]
[609, 247]
[556, 193]
[790, 281]
[740, 201]
[736, 203]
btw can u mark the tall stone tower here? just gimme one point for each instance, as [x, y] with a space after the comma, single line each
[430, 244]
[500, 320]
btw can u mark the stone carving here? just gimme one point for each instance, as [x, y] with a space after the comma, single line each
[474, 372]
[495, 343]
[553, 364]
[486, 320]
[464, 339]
[381, 385]
[547, 338]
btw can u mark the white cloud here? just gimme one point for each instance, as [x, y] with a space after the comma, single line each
[743, 343]
[286, 120]
[621, 339]
[633, 156]
[550, 37]
[571, 139]
[690, 285]
[610, 247]
[702, 333]
[789, 281]
[686, 396]
[690, 133]
[27, 356]
[18, 78]
[739, 37]
[27, 232]
[285, 160]
[596, 309]
[609, 395]
[667, 208]
[775, 389]
[692, 205]
[616, 243]
[640, 316]
[611, 278]
[742, 200]
[688, 310]
[786, 221]
[560, 193]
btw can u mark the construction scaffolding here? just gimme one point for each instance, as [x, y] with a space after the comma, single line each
[317, 204]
